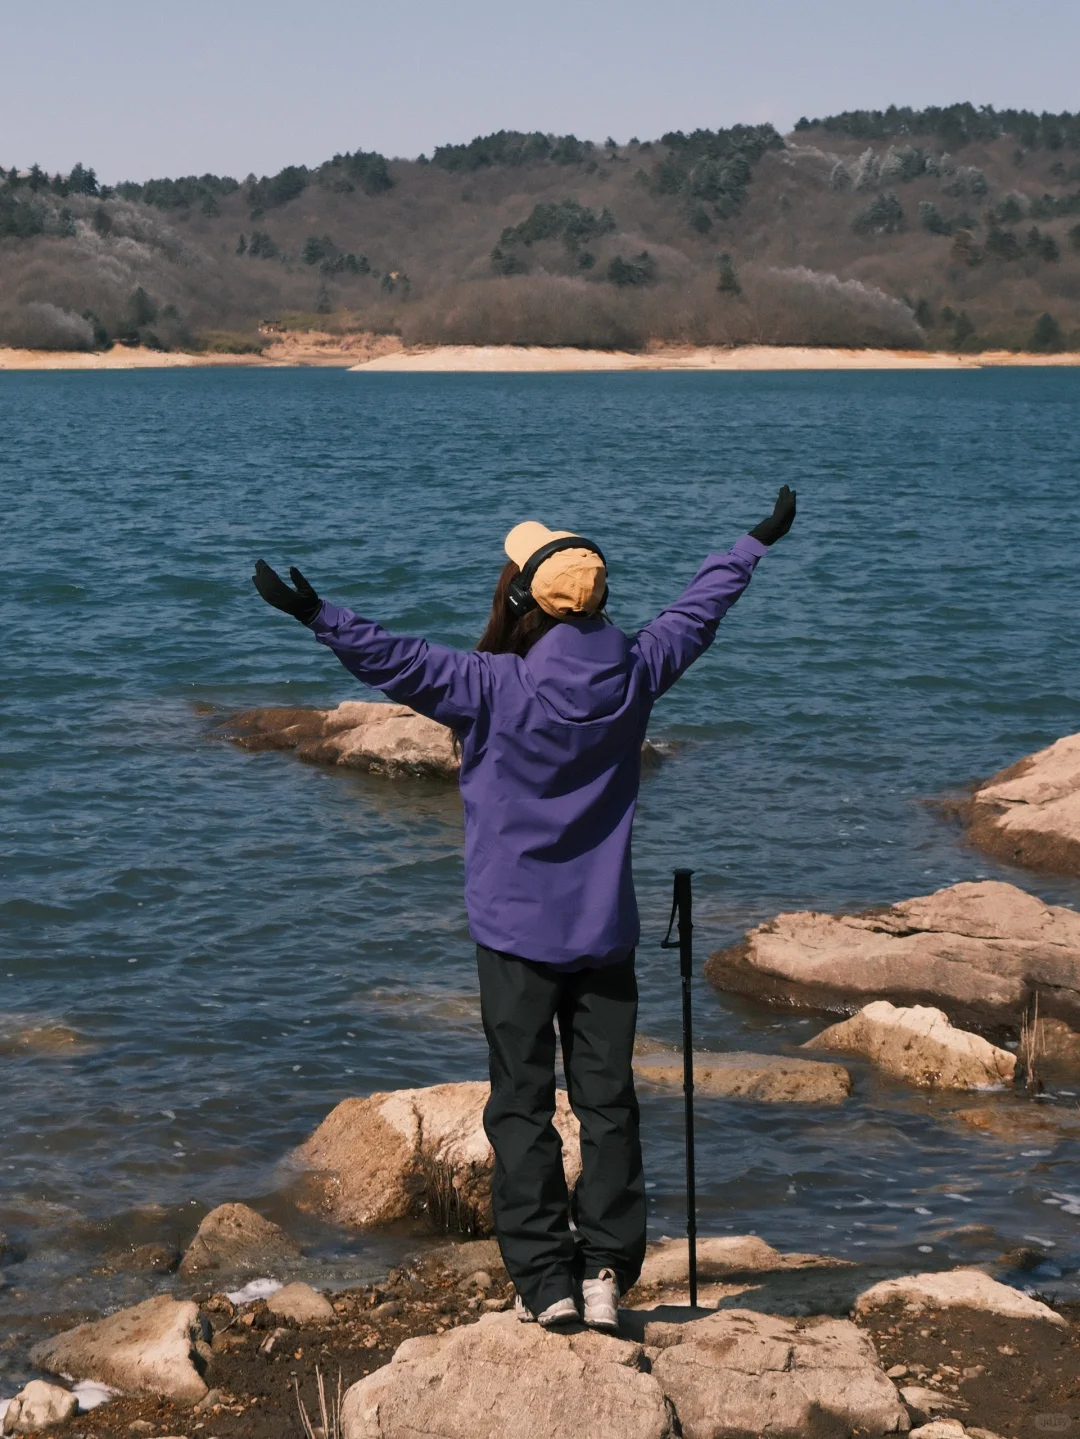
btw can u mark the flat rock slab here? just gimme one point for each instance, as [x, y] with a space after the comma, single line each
[499, 1378]
[234, 1239]
[766, 1078]
[918, 1044]
[957, 1289]
[461, 1259]
[144, 1350]
[737, 1373]
[385, 739]
[1022, 1121]
[359, 734]
[979, 951]
[401, 1153]
[1029, 813]
[667, 1262]
[38, 1406]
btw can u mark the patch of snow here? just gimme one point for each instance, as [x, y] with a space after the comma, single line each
[255, 1289]
[91, 1394]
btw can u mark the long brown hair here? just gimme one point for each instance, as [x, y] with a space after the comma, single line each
[505, 633]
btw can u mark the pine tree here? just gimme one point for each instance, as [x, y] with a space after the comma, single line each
[728, 281]
[1046, 336]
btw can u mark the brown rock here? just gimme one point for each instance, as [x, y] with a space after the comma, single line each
[234, 1239]
[1029, 813]
[1022, 1121]
[39, 1406]
[1056, 1043]
[17, 1038]
[943, 1429]
[359, 734]
[461, 1259]
[156, 1258]
[301, 1304]
[498, 1377]
[144, 1350]
[957, 1289]
[925, 1405]
[371, 735]
[667, 1262]
[737, 1373]
[919, 1045]
[980, 951]
[767, 1078]
[392, 1155]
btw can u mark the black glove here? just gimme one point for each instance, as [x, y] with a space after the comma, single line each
[303, 602]
[779, 522]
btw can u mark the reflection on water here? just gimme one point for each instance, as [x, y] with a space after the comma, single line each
[202, 949]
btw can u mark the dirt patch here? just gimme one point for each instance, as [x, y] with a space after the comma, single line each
[1016, 1379]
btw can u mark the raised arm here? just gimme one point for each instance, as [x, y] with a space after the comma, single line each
[445, 684]
[685, 630]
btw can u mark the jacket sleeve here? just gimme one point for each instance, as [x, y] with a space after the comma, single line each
[444, 684]
[680, 634]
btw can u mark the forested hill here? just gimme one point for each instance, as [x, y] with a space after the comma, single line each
[952, 227]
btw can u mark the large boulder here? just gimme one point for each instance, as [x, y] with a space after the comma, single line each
[145, 1350]
[415, 1150]
[918, 1044]
[234, 1239]
[499, 1377]
[38, 1406]
[737, 1373]
[371, 735]
[979, 951]
[1029, 813]
[957, 1289]
[766, 1078]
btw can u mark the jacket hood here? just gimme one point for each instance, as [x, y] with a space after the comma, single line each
[581, 669]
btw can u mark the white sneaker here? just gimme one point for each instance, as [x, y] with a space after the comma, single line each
[563, 1311]
[601, 1297]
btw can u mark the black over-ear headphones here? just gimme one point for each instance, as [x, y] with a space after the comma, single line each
[519, 594]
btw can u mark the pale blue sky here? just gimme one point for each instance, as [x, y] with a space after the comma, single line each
[138, 88]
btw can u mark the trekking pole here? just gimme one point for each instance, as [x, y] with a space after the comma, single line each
[681, 907]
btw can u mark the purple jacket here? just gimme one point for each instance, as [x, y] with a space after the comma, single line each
[550, 759]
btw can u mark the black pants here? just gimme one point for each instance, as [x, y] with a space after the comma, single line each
[596, 1011]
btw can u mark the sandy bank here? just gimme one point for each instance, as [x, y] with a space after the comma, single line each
[384, 353]
[447, 358]
[310, 348]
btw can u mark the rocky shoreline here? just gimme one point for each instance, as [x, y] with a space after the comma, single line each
[789, 1345]
[802, 1345]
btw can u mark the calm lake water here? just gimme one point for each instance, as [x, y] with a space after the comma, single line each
[238, 941]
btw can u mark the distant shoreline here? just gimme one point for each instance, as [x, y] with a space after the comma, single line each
[387, 356]
[501, 358]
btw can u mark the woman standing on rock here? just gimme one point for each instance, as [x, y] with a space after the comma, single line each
[551, 711]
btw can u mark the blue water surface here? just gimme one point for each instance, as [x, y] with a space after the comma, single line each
[236, 941]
